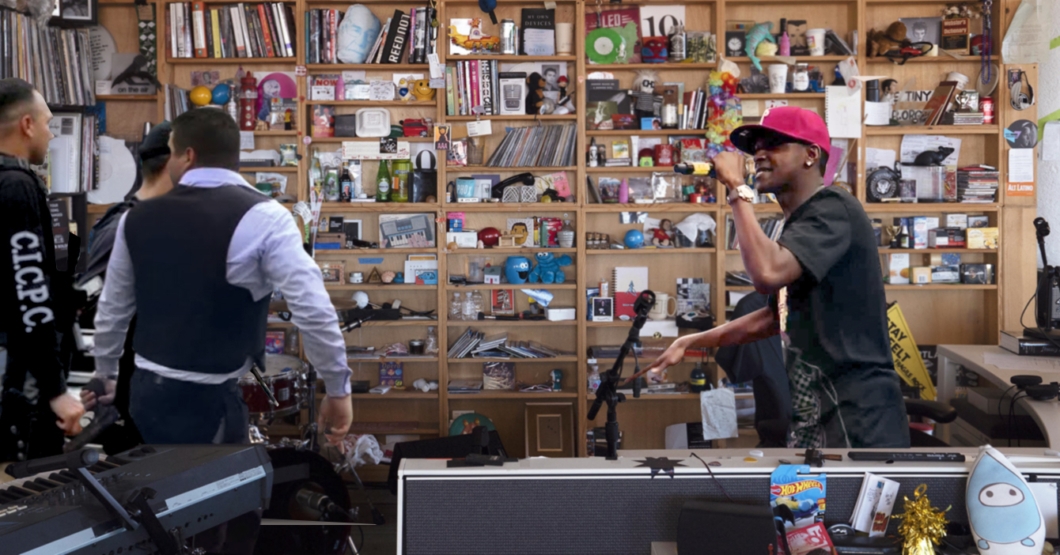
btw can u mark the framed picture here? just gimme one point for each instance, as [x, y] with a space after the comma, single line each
[275, 342]
[352, 230]
[502, 302]
[549, 429]
[603, 309]
[922, 29]
[333, 271]
[75, 13]
[734, 41]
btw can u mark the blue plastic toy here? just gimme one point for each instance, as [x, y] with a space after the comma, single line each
[634, 239]
[222, 93]
[517, 269]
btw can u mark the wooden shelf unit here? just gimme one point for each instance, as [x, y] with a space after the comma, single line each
[952, 313]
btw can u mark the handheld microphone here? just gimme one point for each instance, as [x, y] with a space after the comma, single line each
[316, 501]
[1041, 231]
[105, 416]
[73, 461]
[696, 168]
[350, 326]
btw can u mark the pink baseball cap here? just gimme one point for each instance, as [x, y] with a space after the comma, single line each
[791, 122]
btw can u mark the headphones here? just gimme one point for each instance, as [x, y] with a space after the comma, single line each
[1020, 100]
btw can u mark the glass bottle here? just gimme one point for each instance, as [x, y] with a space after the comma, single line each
[456, 307]
[382, 182]
[476, 301]
[346, 186]
[469, 307]
[800, 81]
[566, 235]
[594, 377]
[594, 153]
[697, 380]
[431, 348]
[399, 190]
[316, 176]
[903, 237]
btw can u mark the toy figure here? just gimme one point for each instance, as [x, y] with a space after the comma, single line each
[663, 235]
[557, 379]
[757, 34]
[882, 42]
[1002, 512]
[644, 93]
[288, 125]
[548, 268]
[421, 89]
[475, 40]
[535, 93]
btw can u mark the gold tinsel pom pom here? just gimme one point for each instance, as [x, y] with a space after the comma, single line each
[922, 525]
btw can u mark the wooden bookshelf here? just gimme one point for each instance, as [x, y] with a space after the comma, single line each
[937, 313]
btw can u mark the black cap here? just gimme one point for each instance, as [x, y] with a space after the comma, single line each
[156, 143]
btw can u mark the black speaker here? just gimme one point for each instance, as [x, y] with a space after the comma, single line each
[1048, 302]
[452, 447]
[707, 527]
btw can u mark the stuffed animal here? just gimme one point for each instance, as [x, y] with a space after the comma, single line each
[932, 157]
[421, 89]
[535, 93]
[548, 268]
[1002, 512]
[757, 34]
[882, 42]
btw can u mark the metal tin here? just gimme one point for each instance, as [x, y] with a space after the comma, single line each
[986, 106]
[509, 36]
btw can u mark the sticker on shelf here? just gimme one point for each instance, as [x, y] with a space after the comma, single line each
[300, 71]
[307, 140]
[437, 83]
[436, 66]
[479, 128]
[246, 140]
[770, 104]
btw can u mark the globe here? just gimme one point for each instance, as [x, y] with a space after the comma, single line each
[634, 239]
[200, 96]
[221, 94]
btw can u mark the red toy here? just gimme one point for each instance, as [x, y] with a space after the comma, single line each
[489, 236]
[414, 128]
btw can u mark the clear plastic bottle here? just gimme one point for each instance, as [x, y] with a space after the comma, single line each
[469, 307]
[431, 348]
[594, 377]
[456, 307]
[476, 300]
[566, 235]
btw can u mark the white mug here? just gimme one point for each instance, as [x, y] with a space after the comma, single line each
[960, 78]
[564, 38]
[815, 40]
[778, 78]
[661, 310]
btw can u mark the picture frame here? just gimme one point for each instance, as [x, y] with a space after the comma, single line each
[75, 13]
[923, 29]
[333, 271]
[275, 342]
[502, 302]
[603, 309]
[549, 429]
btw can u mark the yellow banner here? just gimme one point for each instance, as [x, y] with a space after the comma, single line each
[907, 361]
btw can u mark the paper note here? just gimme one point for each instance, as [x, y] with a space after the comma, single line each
[1045, 495]
[381, 90]
[1050, 144]
[877, 113]
[1024, 363]
[751, 109]
[1024, 39]
[843, 112]
[1021, 165]
[246, 140]
[479, 128]
[879, 158]
[436, 66]
[913, 145]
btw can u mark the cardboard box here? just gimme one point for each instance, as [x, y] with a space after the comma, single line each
[463, 239]
[920, 232]
[946, 274]
[559, 314]
[946, 237]
[921, 275]
[960, 221]
[979, 220]
[899, 269]
[982, 238]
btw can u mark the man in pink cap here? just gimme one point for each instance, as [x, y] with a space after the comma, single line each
[824, 280]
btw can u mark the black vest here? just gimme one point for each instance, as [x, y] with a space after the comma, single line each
[188, 316]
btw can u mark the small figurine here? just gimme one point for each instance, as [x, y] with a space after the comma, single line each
[557, 379]
[535, 93]
[288, 125]
[759, 33]
[644, 93]
[548, 268]
[421, 89]
[475, 40]
[662, 236]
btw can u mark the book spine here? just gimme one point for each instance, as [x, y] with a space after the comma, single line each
[476, 92]
[189, 40]
[266, 31]
[333, 32]
[288, 27]
[237, 31]
[198, 21]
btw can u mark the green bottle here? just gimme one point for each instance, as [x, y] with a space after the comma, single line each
[399, 191]
[382, 183]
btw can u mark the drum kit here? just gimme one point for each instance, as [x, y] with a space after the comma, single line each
[307, 487]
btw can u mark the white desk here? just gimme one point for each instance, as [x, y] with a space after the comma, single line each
[1045, 413]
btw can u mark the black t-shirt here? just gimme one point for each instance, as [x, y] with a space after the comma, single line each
[837, 322]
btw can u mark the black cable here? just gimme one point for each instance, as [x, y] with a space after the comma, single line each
[1001, 400]
[1013, 430]
[716, 480]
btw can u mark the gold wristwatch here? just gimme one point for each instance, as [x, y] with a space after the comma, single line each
[743, 192]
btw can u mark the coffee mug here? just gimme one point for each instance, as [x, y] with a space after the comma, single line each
[662, 310]
[815, 41]
[778, 78]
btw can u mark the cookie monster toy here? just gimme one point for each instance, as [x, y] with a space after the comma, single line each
[548, 268]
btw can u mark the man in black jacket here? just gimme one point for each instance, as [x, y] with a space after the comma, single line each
[30, 362]
[154, 157]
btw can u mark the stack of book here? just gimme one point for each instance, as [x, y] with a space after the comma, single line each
[177, 102]
[977, 184]
[474, 344]
[474, 86]
[230, 31]
[536, 146]
[57, 62]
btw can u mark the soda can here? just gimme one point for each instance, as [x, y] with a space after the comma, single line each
[986, 106]
[509, 36]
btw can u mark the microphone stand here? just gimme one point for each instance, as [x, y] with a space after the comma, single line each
[608, 390]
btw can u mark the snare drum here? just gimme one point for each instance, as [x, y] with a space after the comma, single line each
[284, 374]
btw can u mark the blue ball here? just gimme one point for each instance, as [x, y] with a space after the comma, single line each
[222, 93]
[634, 239]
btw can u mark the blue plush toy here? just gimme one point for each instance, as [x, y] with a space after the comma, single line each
[758, 34]
[517, 269]
[548, 268]
[1002, 512]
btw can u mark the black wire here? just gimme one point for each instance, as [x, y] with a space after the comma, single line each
[1002, 399]
[1012, 429]
[716, 480]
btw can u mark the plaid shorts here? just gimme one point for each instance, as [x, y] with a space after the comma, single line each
[808, 384]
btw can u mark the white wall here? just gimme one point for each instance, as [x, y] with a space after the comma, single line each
[1048, 92]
